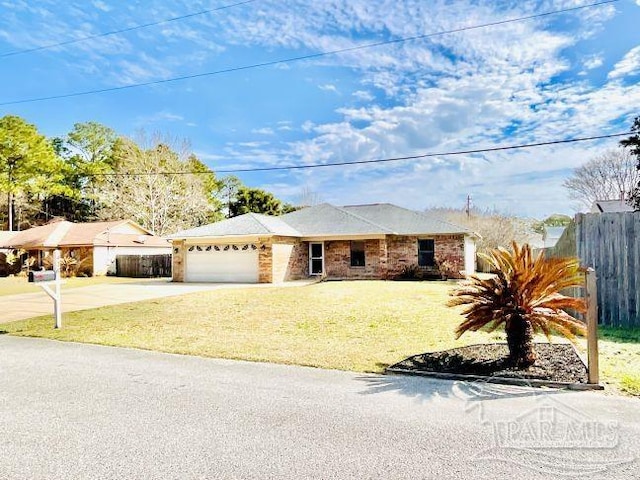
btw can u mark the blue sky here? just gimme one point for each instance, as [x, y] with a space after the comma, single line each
[563, 76]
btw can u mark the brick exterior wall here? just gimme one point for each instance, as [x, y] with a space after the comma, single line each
[337, 260]
[288, 259]
[451, 249]
[177, 261]
[298, 267]
[284, 258]
[265, 260]
[403, 252]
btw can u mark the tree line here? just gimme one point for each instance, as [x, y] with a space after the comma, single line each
[94, 174]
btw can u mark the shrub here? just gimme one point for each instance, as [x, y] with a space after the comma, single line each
[523, 297]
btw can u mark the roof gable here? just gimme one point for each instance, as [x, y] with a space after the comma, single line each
[68, 234]
[5, 237]
[326, 219]
[38, 236]
[247, 224]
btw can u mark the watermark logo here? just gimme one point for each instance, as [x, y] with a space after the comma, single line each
[546, 434]
[554, 425]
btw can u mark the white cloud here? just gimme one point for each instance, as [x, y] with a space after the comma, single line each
[472, 89]
[263, 131]
[629, 65]
[162, 116]
[363, 95]
[308, 126]
[100, 5]
[328, 87]
[592, 61]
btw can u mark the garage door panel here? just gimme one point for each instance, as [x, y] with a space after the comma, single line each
[220, 265]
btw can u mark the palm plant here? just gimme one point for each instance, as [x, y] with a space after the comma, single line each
[524, 298]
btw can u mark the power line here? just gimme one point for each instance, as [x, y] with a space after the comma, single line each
[305, 57]
[123, 30]
[362, 162]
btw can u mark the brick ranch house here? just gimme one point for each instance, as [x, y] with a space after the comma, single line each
[379, 241]
[94, 245]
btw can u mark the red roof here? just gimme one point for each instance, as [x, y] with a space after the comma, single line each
[69, 234]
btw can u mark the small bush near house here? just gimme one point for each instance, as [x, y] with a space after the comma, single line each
[414, 272]
[409, 272]
[9, 264]
[70, 266]
[446, 268]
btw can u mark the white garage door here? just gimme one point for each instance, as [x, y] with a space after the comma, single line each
[222, 263]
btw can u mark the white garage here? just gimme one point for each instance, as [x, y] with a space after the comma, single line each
[222, 263]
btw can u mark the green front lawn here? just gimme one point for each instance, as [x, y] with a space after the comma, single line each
[359, 326]
[620, 358]
[15, 285]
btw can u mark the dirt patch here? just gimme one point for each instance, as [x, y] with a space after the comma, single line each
[555, 363]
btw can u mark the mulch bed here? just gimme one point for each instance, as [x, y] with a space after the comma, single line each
[555, 363]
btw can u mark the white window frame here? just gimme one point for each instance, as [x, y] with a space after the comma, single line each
[311, 258]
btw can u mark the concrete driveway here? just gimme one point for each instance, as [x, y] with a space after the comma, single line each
[73, 411]
[28, 305]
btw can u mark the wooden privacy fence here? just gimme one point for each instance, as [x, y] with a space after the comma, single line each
[143, 266]
[609, 243]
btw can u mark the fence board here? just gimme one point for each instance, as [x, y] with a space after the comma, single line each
[143, 266]
[610, 243]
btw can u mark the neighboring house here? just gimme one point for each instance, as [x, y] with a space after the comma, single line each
[551, 236]
[4, 268]
[4, 238]
[94, 245]
[610, 206]
[378, 241]
[535, 240]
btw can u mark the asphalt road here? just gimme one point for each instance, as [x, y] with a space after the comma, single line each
[72, 411]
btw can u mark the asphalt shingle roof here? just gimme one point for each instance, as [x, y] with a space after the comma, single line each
[328, 220]
[247, 224]
[403, 221]
[605, 206]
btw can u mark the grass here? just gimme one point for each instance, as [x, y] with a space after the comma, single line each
[358, 326]
[16, 285]
[620, 358]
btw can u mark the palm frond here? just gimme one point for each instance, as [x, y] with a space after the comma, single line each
[525, 286]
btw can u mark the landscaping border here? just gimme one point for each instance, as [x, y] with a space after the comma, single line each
[503, 380]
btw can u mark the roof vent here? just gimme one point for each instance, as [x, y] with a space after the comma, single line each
[141, 239]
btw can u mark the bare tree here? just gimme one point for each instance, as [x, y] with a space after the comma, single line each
[149, 189]
[308, 197]
[496, 229]
[608, 176]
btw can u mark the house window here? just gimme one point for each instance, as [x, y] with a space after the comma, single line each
[357, 254]
[426, 253]
[316, 258]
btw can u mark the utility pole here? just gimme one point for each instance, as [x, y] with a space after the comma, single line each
[11, 163]
[10, 209]
[468, 207]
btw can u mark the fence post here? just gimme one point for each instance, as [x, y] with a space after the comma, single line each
[592, 326]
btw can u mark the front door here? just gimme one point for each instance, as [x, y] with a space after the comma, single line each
[316, 258]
